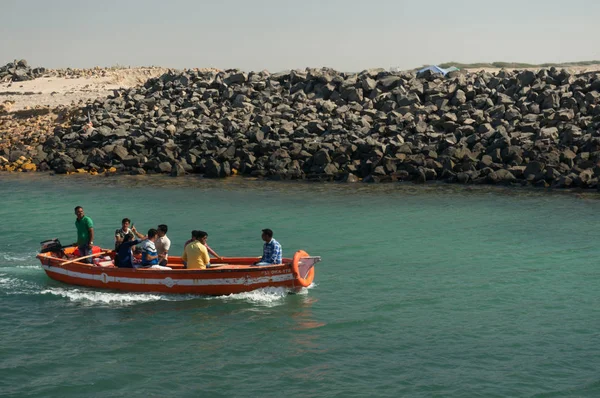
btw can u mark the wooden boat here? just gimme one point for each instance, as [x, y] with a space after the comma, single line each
[230, 275]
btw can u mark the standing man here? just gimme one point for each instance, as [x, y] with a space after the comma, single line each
[272, 252]
[85, 233]
[163, 244]
[195, 254]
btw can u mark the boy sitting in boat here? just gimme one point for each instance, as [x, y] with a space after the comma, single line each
[210, 251]
[124, 257]
[195, 254]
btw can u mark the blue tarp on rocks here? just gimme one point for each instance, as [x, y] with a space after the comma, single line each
[437, 69]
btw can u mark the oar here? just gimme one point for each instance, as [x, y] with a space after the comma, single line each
[84, 257]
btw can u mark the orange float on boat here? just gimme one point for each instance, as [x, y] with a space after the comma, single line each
[231, 275]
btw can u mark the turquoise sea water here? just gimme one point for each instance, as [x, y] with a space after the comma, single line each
[423, 291]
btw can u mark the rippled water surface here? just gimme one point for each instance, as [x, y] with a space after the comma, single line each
[423, 291]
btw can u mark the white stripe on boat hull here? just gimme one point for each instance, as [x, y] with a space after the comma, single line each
[168, 281]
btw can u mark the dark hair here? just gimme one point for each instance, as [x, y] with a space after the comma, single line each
[123, 221]
[163, 228]
[199, 234]
[194, 233]
[268, 232]
[78, 207]
[127, 238]
[151, 233]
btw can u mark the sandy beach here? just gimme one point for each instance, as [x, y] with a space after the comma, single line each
[54, 91]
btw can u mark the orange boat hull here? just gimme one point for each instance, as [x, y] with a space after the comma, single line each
[236, 275]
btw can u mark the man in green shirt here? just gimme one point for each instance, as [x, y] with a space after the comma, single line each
[85, 233]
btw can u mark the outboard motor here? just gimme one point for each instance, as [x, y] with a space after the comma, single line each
[52, 245]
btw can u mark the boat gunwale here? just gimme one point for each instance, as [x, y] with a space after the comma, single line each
[180, 271]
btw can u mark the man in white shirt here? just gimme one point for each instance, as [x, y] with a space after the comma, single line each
[163, 244]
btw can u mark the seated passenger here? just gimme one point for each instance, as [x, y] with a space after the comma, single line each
[137, 256]
[149, 254]
[163, 244]
[124, 257]
[122, 232]
[210, 251]
[272, 253]
[195, 254]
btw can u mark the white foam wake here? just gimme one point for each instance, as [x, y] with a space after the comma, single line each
[98, 297]
[9, 285]
[267, 296]
[13, 257]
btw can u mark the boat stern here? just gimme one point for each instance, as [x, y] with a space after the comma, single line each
[303, 268]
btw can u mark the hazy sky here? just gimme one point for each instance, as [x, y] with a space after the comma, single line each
[348, 35]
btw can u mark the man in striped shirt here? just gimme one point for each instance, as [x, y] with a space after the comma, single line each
[149, 254]
[272, 253]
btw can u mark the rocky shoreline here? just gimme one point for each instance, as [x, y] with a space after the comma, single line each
[512, 128]
[20, 71]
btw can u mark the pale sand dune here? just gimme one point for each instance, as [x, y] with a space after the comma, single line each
[55, 91]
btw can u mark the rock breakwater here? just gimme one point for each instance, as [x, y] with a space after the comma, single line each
[522, 127]
[19, 71]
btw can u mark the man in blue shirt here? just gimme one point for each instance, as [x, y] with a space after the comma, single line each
[124, 258]
[149, 254]
[272, 252]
